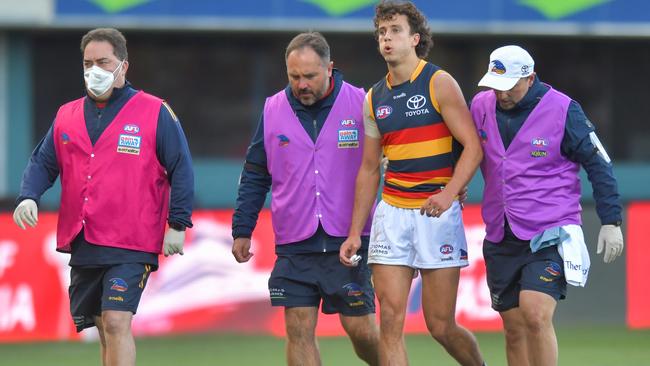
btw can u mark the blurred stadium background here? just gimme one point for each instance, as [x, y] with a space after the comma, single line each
[215, 62]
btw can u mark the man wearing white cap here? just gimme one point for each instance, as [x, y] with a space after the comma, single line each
[534, 141]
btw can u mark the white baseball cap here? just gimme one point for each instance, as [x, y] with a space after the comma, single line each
[507, 65]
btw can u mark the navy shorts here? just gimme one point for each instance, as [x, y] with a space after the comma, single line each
[304, 280]
[95, 289]
[511, 267]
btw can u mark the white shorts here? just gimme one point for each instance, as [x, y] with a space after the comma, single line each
[401, 236]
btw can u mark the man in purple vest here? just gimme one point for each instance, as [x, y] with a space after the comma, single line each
[534, 140]
[307, 150]
[118, 152]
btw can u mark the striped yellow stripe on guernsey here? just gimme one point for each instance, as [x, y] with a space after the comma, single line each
[432, 89]
[417, 150]
[410, 184]
[402, 202]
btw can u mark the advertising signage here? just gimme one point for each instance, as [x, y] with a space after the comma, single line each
[502, 16]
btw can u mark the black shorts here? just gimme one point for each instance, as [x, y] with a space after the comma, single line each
[95, 289]
[305, 279]
[511, 267]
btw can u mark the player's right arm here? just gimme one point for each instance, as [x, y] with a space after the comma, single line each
[39, 175]
[458, 119]
[42, 169]
[254, 184]
[366, 186]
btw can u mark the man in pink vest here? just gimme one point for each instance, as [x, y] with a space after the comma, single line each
[534, 140]
[118, 152]
[307, 150]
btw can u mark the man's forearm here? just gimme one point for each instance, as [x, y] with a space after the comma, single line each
[252, 192]
[464, 170]
[364, 197]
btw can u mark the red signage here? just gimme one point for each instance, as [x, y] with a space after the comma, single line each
[638, 265]
[203, 290]
[33, 283]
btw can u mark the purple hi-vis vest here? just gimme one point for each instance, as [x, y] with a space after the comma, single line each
[531, 182]
[313, 182]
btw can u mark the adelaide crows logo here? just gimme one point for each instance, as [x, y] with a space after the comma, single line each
[353, 289]
[498, 67]
[553, 269]
[119, 284]
[284, 140]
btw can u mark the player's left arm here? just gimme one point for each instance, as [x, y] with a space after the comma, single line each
[581, 144]
[173, 153]
[453, 108]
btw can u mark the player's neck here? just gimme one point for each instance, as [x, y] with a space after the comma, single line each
[401, 71]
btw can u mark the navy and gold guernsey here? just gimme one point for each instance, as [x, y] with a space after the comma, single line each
[420, 148]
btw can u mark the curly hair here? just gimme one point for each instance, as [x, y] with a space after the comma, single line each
[386, 10]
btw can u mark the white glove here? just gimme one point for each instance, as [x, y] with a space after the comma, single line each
[26, 211]
[173, 242]
[610, 238]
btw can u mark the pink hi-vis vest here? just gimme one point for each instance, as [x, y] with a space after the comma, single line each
[531, 183]
[313, 182]
[116, 190]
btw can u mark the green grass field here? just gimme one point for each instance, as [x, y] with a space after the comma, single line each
[593, 347]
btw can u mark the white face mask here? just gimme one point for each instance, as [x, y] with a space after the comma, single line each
[98, 80]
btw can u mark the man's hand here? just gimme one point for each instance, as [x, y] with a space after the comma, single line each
[241, 250]
[462, 197]
[26, 211]
[436, 204]
[348, 249]
[610, 238]
[173, 242]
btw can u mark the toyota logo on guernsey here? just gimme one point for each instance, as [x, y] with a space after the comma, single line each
[383, 111]
[416, 104]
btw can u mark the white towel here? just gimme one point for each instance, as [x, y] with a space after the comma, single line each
[575, 255]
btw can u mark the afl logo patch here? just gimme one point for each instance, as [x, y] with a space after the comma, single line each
[383, 111]
[539, 142]
[132, 129]
[446, 249]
